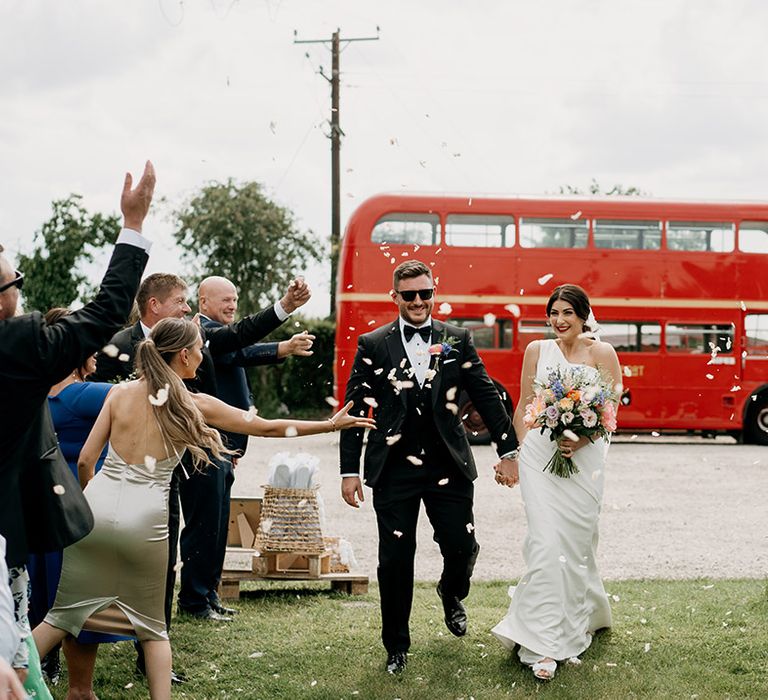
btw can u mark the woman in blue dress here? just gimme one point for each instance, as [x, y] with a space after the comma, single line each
[74, 404]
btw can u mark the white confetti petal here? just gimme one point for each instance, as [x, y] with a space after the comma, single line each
[453, 408]
[415, 460]
[451, 393]
[442, 482]
[514, 309]
[368, 360]
[655, 434]
[545, 278]
[444, 309]
[392, 439]
[162, 396]
[615, 598]
[562, 559]
[371, 401]
[291, 431]
[466, 365]
[470, 527]
[150, 462]
[265, 525]
[59, 490]
[378, 371]
[576, 215]
[331, 401]
[647, 647]
[397, 533]
[489, 319]
[627, 371]
[110, 350]
[123, 357]
[256, 655]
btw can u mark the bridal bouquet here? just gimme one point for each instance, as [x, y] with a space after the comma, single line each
[571, 403]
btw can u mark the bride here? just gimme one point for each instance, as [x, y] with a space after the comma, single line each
[560, 601]
[113, 580]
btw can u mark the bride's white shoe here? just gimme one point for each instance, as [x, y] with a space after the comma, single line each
[544, 670]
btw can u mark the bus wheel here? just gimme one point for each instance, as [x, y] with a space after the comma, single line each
[477, 433]
[756, 428]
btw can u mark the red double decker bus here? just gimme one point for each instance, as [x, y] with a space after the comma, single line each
[680, 289]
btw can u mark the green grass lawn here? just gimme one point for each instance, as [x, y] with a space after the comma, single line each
[708, 639]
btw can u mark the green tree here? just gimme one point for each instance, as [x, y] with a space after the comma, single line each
[236, 231]
[64, 243]
[596, 189]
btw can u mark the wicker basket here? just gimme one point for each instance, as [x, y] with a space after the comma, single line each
[290, 522]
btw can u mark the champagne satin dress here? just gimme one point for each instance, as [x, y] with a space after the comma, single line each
[113, 580]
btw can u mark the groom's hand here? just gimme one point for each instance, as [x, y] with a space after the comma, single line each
[352, 491]
[507, 472]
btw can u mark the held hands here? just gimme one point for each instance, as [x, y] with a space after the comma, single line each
[10, 683]
[568, 447]
[507, 472]
[297, 295]
[352, 491]
[134, 203]
[342, 420]
[300, 345]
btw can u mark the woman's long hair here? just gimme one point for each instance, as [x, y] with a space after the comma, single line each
[180, 420]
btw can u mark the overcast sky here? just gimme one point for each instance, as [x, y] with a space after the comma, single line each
[499, 96]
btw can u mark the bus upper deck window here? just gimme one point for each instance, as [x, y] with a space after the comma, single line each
[407, 229]
[628, 235]
[480, 231]
[553, 233]
[701, 236]
[753, 236]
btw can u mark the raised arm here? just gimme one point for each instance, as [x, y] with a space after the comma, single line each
[94, 444]
[235, 420]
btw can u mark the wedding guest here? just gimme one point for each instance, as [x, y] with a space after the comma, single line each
[33, 357]
[411, 371]
[560, 601]
[10, 685]
[203, 545]
[114, 579]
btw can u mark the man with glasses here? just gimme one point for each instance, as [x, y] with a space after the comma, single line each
[411, 373]
[33, 357]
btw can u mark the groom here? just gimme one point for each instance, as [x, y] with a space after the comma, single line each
[419, 452]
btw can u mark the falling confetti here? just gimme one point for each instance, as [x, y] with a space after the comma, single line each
[627, 371]
[331, 401]
[709, 376]
[562, 559]
[371, 401]
[466, 365]
[59, 490]
[162, 396]
[110, 350]
[392, 439]
[470, 527]
[453, 408]
[123, 357]
[397, 533]
[743, 306]
[150, 462]
[545, 278]
[576, 215]
[415, 460]
[291, 431]
[489, 319]
[514, 309]
[735, 387]
[444, 309]
[655, 434]
[442, 482]
[451, 393]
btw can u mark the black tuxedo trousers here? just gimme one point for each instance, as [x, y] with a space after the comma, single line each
[397, 496]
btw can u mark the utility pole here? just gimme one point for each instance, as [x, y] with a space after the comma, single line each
[335, 136]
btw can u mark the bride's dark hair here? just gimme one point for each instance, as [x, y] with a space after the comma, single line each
[179, 417]
[576, 297]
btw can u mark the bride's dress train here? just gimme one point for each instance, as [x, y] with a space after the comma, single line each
[560, 600]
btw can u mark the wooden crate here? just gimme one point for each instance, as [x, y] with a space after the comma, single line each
[244, 515]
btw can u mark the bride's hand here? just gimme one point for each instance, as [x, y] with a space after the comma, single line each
[507, 472]
[568, 447]
[342, 420]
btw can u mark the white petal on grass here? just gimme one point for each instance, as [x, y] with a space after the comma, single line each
[489, 319]
[291, 431]
[514, 309]
[615, 598]
[444, 309]
[59, 490]
[256, 655]
[451, 393]
[647, 647]
[111, 350]
[570, 435]
[161, 397]
[545, 278]
[371, 401]
[127, 686]
[442, 482]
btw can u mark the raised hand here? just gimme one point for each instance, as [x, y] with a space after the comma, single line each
[300, 344]
[134, 202]
[342, 420]
[297, 295]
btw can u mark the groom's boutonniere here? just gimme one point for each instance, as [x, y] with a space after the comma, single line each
[442, 349]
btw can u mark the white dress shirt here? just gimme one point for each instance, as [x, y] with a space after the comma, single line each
[416, 350]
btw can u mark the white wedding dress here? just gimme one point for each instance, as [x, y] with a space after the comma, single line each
[560, 601]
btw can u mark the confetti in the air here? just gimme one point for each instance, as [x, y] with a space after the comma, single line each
[442, 482]
[110, 350]
[162, 396]
[514, 309]
[150, 462]
[452, 407]
[291, 431]
[562, 559]
[444, 309]
[392, 439]
[451, 393]
[397, 533]
[576, 215]
[545, 278]
[489, 319]
[123, 357]
[368, 360]
[331, 401]
[466, 365]
[655, 434]
[59, 490]
[415, 460]
[371, 401]
[470, 527]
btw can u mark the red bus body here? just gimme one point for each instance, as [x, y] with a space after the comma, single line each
[680, 288]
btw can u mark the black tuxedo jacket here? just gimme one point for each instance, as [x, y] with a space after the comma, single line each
[381, 362]
[219, 341]
[33, 357]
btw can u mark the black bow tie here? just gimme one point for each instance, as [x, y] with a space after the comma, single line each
[425, 332]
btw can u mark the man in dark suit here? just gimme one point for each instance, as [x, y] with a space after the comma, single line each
[34, 356]
[217, 301]
[411, 372]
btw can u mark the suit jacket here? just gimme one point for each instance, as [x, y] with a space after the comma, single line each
[232, 385]
[382, 349]
[33, 357]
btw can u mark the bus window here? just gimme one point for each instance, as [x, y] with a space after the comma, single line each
[626, 336]
[410, 229]
[505, 333]
[480, 231]
[756, 332]
[697, 235]
[628, 235]
[753, 236]
[534, 330]
[482, 335]
[699, 338]
[553, 233]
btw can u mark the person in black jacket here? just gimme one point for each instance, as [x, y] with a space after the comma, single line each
[217, 301]
[34, 356]
[411, 372]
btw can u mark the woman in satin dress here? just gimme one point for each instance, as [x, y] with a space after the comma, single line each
[560, 601]
[113, 580]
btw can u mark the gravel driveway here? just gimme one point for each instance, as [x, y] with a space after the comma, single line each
[673, 508]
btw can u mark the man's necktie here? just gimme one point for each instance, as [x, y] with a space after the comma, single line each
[425, 332]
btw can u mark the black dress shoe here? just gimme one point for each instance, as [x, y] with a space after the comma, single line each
[396, 662]
[141, 669]
[177, 678]
[217, 607]
[455, 613]
[50, 665]
[208, 614]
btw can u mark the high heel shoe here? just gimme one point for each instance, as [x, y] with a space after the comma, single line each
[544, 670]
